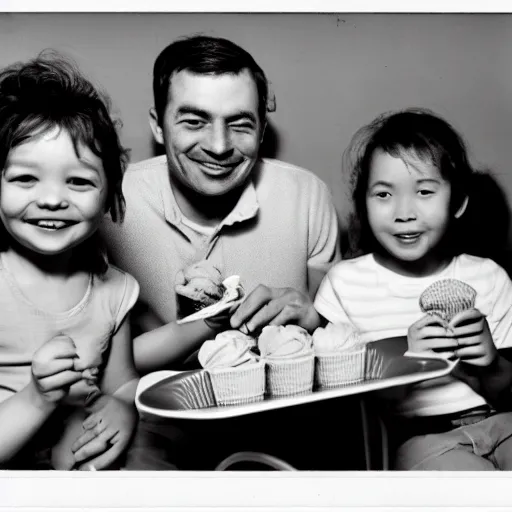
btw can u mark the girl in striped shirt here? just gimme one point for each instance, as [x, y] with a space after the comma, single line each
[411, 188]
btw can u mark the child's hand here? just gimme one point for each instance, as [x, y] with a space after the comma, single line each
[473, 337]
[431, 333]
[53, 369]
[107, 432]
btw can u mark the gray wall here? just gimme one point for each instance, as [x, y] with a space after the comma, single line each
[331, 73]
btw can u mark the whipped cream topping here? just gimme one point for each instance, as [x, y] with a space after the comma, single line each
[336, 337]
[228, 349]
[284, 342]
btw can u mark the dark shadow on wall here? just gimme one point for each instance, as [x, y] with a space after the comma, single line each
[484, 229]
[271, 142]
[269, 147]
[345, 240]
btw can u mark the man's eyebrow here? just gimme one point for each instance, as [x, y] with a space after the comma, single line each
[243, 114]
[186, 109]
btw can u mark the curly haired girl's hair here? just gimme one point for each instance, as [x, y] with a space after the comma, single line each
[48, 92]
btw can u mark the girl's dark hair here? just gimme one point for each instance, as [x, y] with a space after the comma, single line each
[413, 132]
[204, 55]
[47, 92]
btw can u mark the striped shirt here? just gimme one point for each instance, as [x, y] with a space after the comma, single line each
[383, 304]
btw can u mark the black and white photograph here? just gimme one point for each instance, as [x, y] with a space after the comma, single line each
[255, 245]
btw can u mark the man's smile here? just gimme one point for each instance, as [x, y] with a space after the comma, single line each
[215, 168]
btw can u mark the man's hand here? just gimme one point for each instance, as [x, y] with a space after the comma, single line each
[53, 369]
[474, 341]
[275, 306]
[431, 333]
[107, 433]
[221, 321]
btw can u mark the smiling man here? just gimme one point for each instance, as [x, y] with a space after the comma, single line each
[211, 197]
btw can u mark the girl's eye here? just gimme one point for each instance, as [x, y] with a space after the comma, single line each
[382, 195]
[23, 179]
[80, 182]
[425, 192]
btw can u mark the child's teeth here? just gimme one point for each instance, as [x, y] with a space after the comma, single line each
[50, 224]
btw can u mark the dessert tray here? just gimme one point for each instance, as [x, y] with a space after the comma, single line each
[189, 394]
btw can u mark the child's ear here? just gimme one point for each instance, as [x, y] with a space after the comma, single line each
[462, 209]
[155, 126]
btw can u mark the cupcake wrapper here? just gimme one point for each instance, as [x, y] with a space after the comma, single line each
[374, 364]
[338, 369]
[240, 385]
[287, 377]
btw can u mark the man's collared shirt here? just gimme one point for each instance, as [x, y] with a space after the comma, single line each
[283, 225]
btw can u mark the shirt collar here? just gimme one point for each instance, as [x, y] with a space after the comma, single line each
[245, 209]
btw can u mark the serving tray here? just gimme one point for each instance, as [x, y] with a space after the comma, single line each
[189, 395]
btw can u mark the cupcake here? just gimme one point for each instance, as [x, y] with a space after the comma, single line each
[198, 286]
[340, 356]
[447, 297]
[288, 354]
[202, 293]
[237, 373]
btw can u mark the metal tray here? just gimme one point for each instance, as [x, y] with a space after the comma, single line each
[189, 394]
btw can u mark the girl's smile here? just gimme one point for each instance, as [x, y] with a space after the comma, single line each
[52, 197]
[408, 238]
[51, 224]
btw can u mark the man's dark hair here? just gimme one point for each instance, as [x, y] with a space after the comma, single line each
[204, 55]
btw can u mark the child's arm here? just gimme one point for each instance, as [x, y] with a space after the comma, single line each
[23, 414]
[493, 382]
[109, 427]
[120, 377]
[171, 343]
[481, 366]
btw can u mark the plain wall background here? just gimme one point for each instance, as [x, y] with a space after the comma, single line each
[331, 73]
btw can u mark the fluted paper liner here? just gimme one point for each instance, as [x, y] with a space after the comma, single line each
[239, 385]
[374, 366]
[338, 369]
[287, 377]
[186, 390]
[447, 297]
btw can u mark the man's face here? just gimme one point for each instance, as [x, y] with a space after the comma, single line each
[211, 130]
